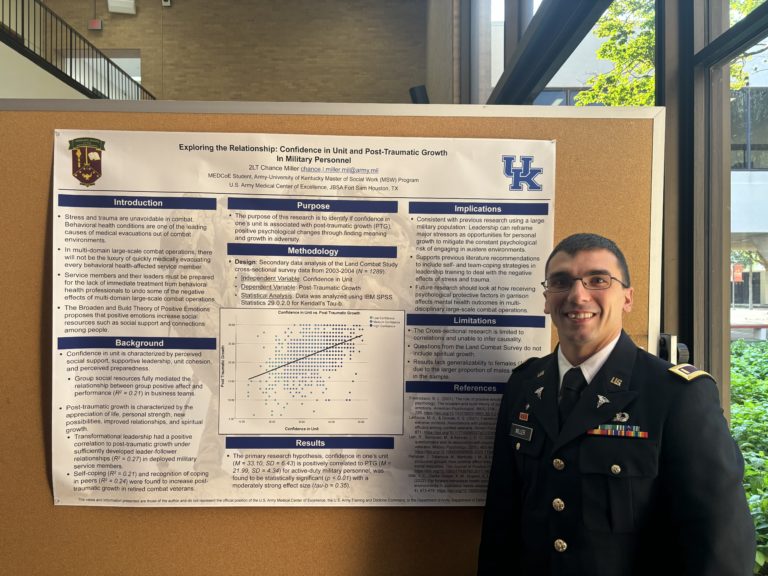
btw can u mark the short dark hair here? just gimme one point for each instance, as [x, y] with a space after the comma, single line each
[584, 241]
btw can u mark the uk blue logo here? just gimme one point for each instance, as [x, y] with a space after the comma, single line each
[525, 175]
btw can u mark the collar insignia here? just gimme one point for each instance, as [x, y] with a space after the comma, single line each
[602, 400]
[616, 381]
[538, 391]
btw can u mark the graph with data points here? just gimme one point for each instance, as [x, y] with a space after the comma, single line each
[287, 371]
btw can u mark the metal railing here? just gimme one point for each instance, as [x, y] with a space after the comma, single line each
[33, 30]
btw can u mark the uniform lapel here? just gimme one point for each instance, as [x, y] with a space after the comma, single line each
[542, 395]
[606, 395]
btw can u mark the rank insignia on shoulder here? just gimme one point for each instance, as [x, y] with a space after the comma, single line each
[688, 371]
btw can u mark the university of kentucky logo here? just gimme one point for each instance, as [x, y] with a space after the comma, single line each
[523, 175]
[86, 159]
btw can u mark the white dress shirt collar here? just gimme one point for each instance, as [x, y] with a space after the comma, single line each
[591, 365]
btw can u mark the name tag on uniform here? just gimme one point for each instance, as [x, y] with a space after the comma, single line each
[522, 432]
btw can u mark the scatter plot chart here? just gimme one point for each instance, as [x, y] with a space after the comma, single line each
[311, 371]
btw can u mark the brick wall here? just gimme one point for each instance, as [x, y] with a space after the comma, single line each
[268, 50]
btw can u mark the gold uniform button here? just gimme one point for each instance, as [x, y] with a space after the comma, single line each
[558, 505]
[615, 469]
[558, 464]
[560, 545]
[517, 446]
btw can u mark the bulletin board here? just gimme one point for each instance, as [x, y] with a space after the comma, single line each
[608, 181]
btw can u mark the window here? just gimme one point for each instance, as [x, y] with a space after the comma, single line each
[613, 65]
[749, 200]
[749, 128]
[558, 96]
[487, 47]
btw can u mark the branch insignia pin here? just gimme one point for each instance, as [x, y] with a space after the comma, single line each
[602, 400]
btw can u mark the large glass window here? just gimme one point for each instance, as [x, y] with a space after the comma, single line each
[558, 96]
[487, 47]
[614, 63]
[749, 128]
[741, 8]
[749, 198]
[758, 127]
[739, 120]
[749, 282]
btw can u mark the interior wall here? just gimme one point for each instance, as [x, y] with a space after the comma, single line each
[271, 50]
[22, 78]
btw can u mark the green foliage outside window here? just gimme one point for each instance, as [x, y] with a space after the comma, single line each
[748, 258]
[749, 426]
[628, 31]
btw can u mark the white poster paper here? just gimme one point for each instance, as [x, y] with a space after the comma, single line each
[291, 320]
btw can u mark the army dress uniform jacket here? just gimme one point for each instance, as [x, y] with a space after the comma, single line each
[643, 478]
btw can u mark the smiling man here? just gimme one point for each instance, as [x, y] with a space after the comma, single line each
[609, 461]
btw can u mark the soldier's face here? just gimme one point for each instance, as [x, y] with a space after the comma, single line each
[586, 320]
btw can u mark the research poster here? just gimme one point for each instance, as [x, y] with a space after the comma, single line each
[290, 320]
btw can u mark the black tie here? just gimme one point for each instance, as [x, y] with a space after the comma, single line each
[573, 384]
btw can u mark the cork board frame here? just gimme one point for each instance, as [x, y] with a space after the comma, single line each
[608, 180]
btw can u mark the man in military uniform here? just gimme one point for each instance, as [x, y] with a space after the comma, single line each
[624, 466]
